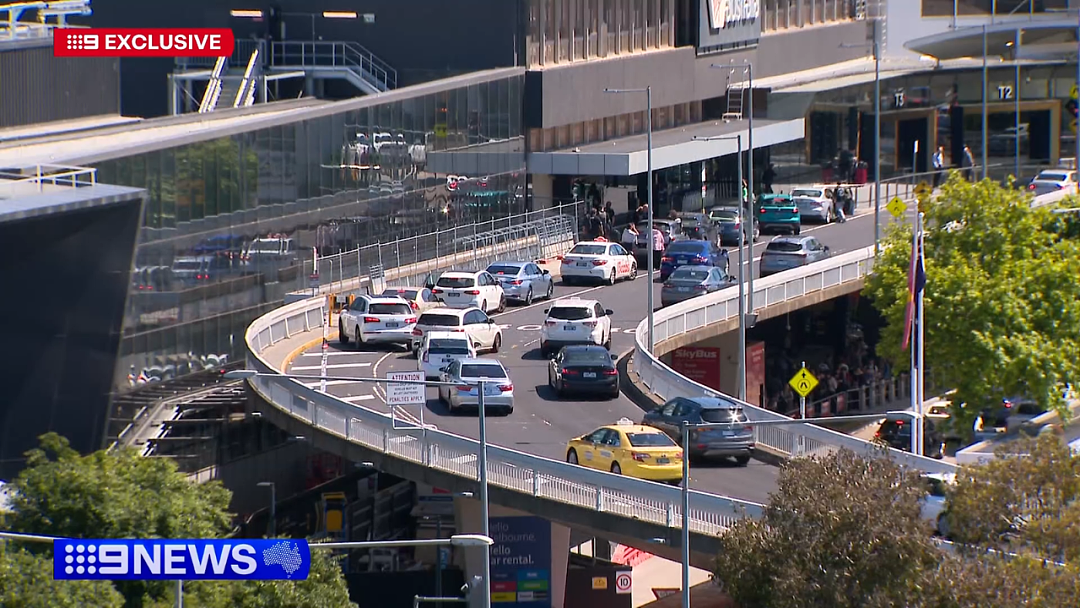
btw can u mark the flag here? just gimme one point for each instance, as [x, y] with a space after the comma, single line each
[916, 284]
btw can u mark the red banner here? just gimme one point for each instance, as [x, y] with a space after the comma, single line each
[143, 42]
[755, 374]
[698, 363]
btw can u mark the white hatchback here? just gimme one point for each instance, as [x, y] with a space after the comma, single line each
[482, 330]
[575, 321]
[439, 348]
[473, 289]
[377, 319]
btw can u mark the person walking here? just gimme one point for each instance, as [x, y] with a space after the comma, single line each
[609, 212]
[838, 203]
[939, 165]
[767, 178]
[657, 247]
[968, 164]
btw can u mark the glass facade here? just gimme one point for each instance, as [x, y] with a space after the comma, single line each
[230, 224]
[562, 31]
[786, 14]
[948, 8]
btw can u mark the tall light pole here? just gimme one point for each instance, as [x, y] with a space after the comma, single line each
[985, 110]
[686, 508]
[484, 513]
[649, 197]
[876, 49]
[271, 526]
[1076, 160]
[743, 213]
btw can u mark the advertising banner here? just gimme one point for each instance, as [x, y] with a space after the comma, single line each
[755, 374]
[729, 22]
[521, 562]
[698, 363]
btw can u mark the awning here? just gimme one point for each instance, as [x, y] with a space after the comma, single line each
[1048, 39]
[671, 148]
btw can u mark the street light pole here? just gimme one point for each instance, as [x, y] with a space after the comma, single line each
[985, 119]
[486, 571]
[648, 199]
[686, 511]
[1076, 160]
[750, 196]
[877, 137]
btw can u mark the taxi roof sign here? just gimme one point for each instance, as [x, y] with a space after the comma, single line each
[624, 421]
[803, 382]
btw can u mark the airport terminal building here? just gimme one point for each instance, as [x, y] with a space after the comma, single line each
[511, 95]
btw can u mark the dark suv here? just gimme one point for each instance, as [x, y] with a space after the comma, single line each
[895, 431]
[730, 441]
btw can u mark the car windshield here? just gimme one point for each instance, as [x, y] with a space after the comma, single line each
[408, 294]
[784, 247]
[570, 313]
[777, 201]
[455, 282]
[503, 269]
[440, 320]
[725, 216]
[1052, 177]
[686, 274]
[643, 440]
[482, 370]
[589, 249]
[723, 415]
[586, 357]
[187, 265]
[686, 247]
[644, 226]
[444, 346]
[390, 308]
[810, 193]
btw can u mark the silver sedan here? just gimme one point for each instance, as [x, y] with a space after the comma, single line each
[466, 374]
[523, 281]
[692, 281]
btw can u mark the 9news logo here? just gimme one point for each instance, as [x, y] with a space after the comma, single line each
[160, 559]
[142, 42]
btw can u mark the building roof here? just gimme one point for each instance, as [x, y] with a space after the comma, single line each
[1051, 37]
[62, 199]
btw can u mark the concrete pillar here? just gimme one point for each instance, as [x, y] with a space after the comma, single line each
[542, 190]
[309, 85]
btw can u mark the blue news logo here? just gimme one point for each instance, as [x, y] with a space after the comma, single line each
[161, 559]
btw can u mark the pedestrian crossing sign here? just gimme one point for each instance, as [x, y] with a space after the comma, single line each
[803, 382]
[896, 207]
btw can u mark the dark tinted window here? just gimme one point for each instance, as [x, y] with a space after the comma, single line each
[642, 440]
[722, 415]
[482, 370]
[408, 294]
[1029, 409]
[688, 247]
[440, 320]
[570, 313]
[586, 357]
[390, 309]
[187, 265]
[784, 247]
[443, 346]
[685, 274]
[455, 282]
[725, 216]
[589, 249]
[511, 270]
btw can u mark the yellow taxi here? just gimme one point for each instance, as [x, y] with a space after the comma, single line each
[626, 448]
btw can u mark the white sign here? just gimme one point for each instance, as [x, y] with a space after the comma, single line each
[723, 13]
[405, 394]
[624, 582]
[1005, 91]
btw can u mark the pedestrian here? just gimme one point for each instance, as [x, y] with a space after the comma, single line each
[838, 203]
[968, 164]
[657, 246]
[594, 227]
[767, 178]
[745, 194]
[939, 165]
[630, 238]
[609, 212]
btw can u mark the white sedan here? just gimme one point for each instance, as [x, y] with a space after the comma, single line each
[598, 261]
[1053, 180]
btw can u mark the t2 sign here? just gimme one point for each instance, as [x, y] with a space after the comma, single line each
[724, 13]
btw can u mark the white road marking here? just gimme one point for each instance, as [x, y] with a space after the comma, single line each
[318, 383]
[356, 398]
[329, 366]
[333, 353]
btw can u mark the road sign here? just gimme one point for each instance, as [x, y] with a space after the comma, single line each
[922, 189]
[1074, 93]
[896, 207]
[599, 582]
[1072, 125]
[624, 582]
[405, 394]
[803, 382]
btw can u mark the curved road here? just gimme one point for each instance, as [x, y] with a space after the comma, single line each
[542, 424]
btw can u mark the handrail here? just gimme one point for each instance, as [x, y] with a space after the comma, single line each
[213, 88]
[791, 440]
[246, 93]
[53, 175]
[349, 55]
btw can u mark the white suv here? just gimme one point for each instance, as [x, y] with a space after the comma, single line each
[377, 319]
[439, 349]
[473, 289]
[575, 321]
[481, 329]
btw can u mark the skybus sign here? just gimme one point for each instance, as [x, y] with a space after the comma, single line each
[161, 559]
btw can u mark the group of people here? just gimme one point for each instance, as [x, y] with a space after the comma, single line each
[599, 220]
[967, 165]
[631, 234]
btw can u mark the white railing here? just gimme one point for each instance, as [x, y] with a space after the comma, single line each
[510, 469]
[691, 315]
[14, 180]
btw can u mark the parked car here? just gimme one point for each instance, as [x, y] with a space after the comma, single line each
[933, 505]
[377, 319]
[787, 252]
[625, 448]
[1020, 412]
[778, 212]
[522, 281]
[584, 369]
[729, 221]
[692, 281]
[473, 322]
[815, 203]
[698, 227]
[465, 374]
[1053, 180]
[693, 253]
[420, 299]
[735, 441]
[439, 348]
[895, 431]
[470, 289]
[671, 230]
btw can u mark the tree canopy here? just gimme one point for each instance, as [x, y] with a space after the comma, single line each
[120, 494]
[1002, 303]
[842, 531]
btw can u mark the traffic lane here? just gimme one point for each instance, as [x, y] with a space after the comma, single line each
[856, 233]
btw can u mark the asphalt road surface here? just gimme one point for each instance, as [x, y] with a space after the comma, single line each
[542, 424]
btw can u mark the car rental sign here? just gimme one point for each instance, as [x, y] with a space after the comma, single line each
[729, 22]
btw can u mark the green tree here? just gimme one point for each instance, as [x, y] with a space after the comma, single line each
[1002, 306]
[26, 581]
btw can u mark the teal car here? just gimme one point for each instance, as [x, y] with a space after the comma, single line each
[779, 213]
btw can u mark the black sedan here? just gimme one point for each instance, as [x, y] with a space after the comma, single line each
[584, 369]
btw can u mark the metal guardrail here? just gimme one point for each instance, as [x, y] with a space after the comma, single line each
[794, 440]
[326, 54]
[47, 175]
[510, 469]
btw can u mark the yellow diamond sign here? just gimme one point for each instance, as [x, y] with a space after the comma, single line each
[896, 207]
[803, 382]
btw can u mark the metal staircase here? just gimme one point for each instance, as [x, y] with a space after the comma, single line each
[213, 86]
[736, 91]
[231, 89]
[345, 60]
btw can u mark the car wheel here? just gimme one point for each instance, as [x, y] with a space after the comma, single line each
[508, 411]
[568, 281]
[551, 289]
[797, 230]
[359, 337]
[633, 272]
[496, 343]
[529, 297]
[607, 343]
[616, 469]
[483, 306]
[615, 393]
[560, 390]
[571, 456]
[502, 304]
[611, 279]
[742, 460]
[342, 335]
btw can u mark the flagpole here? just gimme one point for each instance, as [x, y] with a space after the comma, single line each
[914, 341]
[920, 344]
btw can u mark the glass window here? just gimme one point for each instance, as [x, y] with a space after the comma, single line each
[651, 440]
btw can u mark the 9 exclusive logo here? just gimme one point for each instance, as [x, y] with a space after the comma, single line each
[142, 42]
